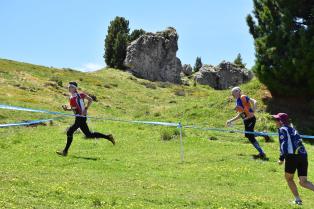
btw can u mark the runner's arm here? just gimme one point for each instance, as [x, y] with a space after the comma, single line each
[283, 141]
[253, 102]
[234, 119]
[67, 108]
[90, 100]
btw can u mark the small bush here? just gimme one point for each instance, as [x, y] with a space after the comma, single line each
[51, 84]
[186, 82]
[157, 114]
[166, 136]
[132, 78]
[170, 133]
[180, 93]
[213, 138]
[176, 132]
[107, 106]
[30, 89]
[69, 69]
[164, 84]
[150, 85]
[57, 80]
[110, 85]
[107, 86]
[97, 202]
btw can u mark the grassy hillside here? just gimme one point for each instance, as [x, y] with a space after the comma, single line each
[143, 170]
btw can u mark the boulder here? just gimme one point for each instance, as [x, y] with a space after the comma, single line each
[223, 76]
[153, 57]
[187, 69]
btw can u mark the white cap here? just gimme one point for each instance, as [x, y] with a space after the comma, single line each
[71, 85]
[236, 89]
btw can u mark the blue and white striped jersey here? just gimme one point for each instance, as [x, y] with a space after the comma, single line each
[290, 142]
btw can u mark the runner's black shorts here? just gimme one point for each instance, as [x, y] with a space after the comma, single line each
[296, 162]
[249, 125]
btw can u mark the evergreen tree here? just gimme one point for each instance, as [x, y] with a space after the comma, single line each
[198, 64]
[136, 34]
[283, 31]
[116, 42]
[119, 50]
[239, 62]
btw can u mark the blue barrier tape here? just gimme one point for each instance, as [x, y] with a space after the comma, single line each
[179, 125]
[242, 132]
[8, 107]
[231, 131]
[25, 123]
[92, 117]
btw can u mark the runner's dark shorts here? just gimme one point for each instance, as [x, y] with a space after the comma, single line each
[249, 125]
[296, 162]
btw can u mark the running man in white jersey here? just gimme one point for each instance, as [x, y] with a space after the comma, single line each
[77, 105]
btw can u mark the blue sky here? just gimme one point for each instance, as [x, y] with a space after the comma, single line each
[70, 33]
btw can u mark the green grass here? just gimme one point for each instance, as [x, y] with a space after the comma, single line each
[143, 170]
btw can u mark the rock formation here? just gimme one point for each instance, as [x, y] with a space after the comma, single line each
[153, 57]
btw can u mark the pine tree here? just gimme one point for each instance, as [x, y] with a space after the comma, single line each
[283, 31]
[239, 62]
[136, 34]
[119, 50]
[116, 42]
[198, 64]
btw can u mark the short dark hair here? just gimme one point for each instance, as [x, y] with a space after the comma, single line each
[73, 83]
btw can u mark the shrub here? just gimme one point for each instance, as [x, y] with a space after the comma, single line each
[180, 92]
[57, 80]
[170, 133]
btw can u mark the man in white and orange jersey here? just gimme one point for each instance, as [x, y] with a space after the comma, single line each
[246, 107]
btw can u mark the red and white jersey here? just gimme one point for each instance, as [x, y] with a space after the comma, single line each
[77, 101]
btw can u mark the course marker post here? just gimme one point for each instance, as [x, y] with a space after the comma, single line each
[181, 142]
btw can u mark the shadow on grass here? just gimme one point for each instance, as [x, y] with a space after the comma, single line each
[257, 157]
[85, 158]
[299, 109]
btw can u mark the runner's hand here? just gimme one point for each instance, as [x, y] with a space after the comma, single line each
[84, 112]
[280, 162]
[65, 107]
[228, 123]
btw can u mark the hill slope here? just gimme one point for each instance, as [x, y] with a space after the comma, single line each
[142, 170]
